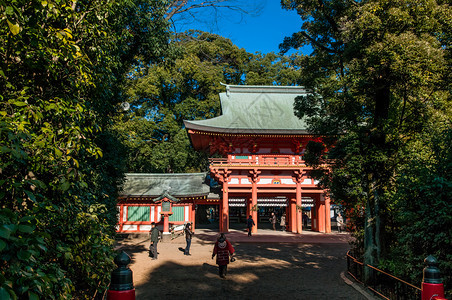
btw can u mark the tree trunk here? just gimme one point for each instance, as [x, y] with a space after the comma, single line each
[373, 226]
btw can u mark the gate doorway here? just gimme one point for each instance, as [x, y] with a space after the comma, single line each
[207, 216]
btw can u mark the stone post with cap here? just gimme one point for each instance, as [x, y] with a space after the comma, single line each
[121, 284]
[432, 283]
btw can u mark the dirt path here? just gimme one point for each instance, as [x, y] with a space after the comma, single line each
[263, 270]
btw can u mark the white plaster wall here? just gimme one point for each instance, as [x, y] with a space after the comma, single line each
[145, 227]
[265, 181]
[245, 181]
[287, 181]
[159, 216]
[129, 227]
[152, 213]
[186, 213]
[124, 214]
[307, 181]
[234, 181]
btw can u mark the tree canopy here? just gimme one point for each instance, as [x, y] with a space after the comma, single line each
[63, 65]
[162, 95]
[380, 71]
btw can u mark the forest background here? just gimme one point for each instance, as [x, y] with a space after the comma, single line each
[380, 75]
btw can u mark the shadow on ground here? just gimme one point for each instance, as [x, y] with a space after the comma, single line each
[262, 271]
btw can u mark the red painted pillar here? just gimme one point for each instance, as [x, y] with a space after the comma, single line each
[315, 215]
[254, 178]
[121, 217]
[166, 234]
[327, 214]
[298, 176]
[165, 223]
[293, 215]
[298, 207]
[321, 215]
[192, 219]
[223, 177]
[248, 207]
[224, 222]
[254, 212]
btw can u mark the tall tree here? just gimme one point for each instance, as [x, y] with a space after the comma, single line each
[423, 205]
[379, 71]
[62, 67]
[164, 94]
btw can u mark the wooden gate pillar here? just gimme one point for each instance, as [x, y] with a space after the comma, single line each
[327, 213]
[223, 177]
[254, 178]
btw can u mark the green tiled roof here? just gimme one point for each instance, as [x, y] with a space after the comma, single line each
[175, 184]
[255, 109]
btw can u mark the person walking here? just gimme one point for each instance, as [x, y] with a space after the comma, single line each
[223, 250]
[273, 220]
[249, 224]
[340, 222]
[283, 222]
[305, 220]
[154, 233]
[188, 235]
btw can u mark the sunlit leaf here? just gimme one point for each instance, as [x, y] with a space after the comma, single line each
[14, 28]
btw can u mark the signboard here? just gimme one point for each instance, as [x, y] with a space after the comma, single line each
[166, 206]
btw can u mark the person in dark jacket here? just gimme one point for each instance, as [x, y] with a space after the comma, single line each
[273, 220]
[154, 233]
[249, 224]
[223, 249]
[188, 235]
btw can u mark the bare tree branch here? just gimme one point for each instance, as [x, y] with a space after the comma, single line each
[178, 7]
[317, 44]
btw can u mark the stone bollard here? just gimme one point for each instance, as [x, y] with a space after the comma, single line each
[432, 283]
[121, 285]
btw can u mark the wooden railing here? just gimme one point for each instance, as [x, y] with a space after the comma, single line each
[259, 160]
[381, 283]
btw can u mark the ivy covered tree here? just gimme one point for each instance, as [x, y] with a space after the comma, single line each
[162, 95]
[62, 71]
[423, 205]
[380, 72]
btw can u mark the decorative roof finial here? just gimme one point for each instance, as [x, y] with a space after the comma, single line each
[228, 89]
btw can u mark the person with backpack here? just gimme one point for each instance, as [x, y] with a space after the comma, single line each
[223, 250]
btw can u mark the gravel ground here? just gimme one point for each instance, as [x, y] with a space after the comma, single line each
[269, 265]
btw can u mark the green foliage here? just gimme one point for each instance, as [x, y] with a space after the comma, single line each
[423, 202]
[22, 250]
[380, 71]
[165, 94]
[63, 66]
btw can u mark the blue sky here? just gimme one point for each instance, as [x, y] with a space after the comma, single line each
[256, 33]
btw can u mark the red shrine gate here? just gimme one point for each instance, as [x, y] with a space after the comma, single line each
[262, 144]
[270, 184]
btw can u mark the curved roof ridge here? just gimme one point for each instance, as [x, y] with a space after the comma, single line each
[286, 89]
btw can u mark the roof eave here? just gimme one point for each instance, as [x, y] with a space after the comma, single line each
[214, 129]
